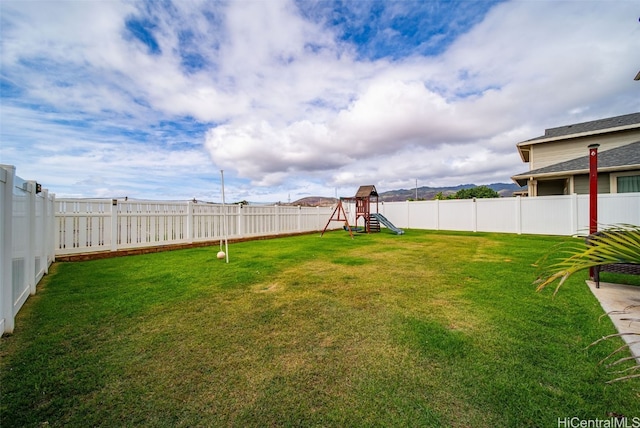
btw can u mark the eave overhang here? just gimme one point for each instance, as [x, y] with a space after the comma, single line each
[523, 179]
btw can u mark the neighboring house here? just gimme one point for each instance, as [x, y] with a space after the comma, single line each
[559, 160]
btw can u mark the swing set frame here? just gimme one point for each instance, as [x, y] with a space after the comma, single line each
[341, 216]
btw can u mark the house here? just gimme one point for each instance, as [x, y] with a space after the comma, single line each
[559, 160]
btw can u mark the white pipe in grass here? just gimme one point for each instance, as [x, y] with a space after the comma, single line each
[224, 219]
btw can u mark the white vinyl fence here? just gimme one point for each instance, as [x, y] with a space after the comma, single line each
[35, 226]
[26, 242]
[91, 225]
[545, 215]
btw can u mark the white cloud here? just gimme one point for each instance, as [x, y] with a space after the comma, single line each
[290, 105]
[527, 66]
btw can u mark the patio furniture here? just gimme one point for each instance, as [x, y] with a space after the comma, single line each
[624, 268]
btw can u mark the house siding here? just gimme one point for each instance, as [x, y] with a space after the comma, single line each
[551, 187]
[581, 184]
[546, 154]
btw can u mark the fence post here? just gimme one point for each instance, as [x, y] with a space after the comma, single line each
[574, 214]
[518, 211]
[30, 256]
[47, 232]
[474, 215]
[52, 228]
[408, 205]
[7, 176]
[240, 220]
[437, 214]
[190, 222]
[114, 225]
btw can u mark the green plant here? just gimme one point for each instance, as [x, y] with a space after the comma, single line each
[615, 244]
[439, 196]
[475, 192]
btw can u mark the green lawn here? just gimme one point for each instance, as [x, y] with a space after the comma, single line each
[423, 329]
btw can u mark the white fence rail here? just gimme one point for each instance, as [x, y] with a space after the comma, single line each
[26, 242]
[92, 225]
[546, 215]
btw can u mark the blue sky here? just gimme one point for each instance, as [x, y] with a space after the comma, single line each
[151, 100]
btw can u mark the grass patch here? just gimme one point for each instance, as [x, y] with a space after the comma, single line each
[423, 329]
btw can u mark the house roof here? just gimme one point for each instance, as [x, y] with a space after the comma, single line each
[594, 127]
[366, 191]
[624, 157]
[625, 121]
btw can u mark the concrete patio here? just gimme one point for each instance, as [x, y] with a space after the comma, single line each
[622, 303]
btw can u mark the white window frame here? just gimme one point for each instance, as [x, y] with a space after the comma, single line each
[613, 179]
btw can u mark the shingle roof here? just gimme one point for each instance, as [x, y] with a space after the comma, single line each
[594, 125]
[366, 191]
[628, 155]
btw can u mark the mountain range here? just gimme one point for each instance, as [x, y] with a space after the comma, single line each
[423, 193]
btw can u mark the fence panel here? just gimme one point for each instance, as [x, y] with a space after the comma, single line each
[208, 222]
[548, 215]
[457, 215]
[83, 225]
[497, 215]
[234, 221]
[26, 249]
[92, 225]
[614, 208]
[424, 215]
[6, 290]
[258, 220]
[551, 215]
[399, 212]
[20, 243]
[145, 223]
[316, 218]
[288, 218]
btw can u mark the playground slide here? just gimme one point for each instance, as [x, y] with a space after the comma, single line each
[382, 219]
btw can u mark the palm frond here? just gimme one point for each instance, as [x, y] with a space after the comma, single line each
[615, 244]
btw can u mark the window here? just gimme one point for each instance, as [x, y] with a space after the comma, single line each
[628, 184]
[625, 182]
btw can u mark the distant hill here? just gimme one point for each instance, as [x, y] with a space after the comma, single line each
[429, 193]
[314, 201]
[424, 193]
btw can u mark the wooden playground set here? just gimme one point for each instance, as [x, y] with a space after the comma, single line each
[365, 199]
